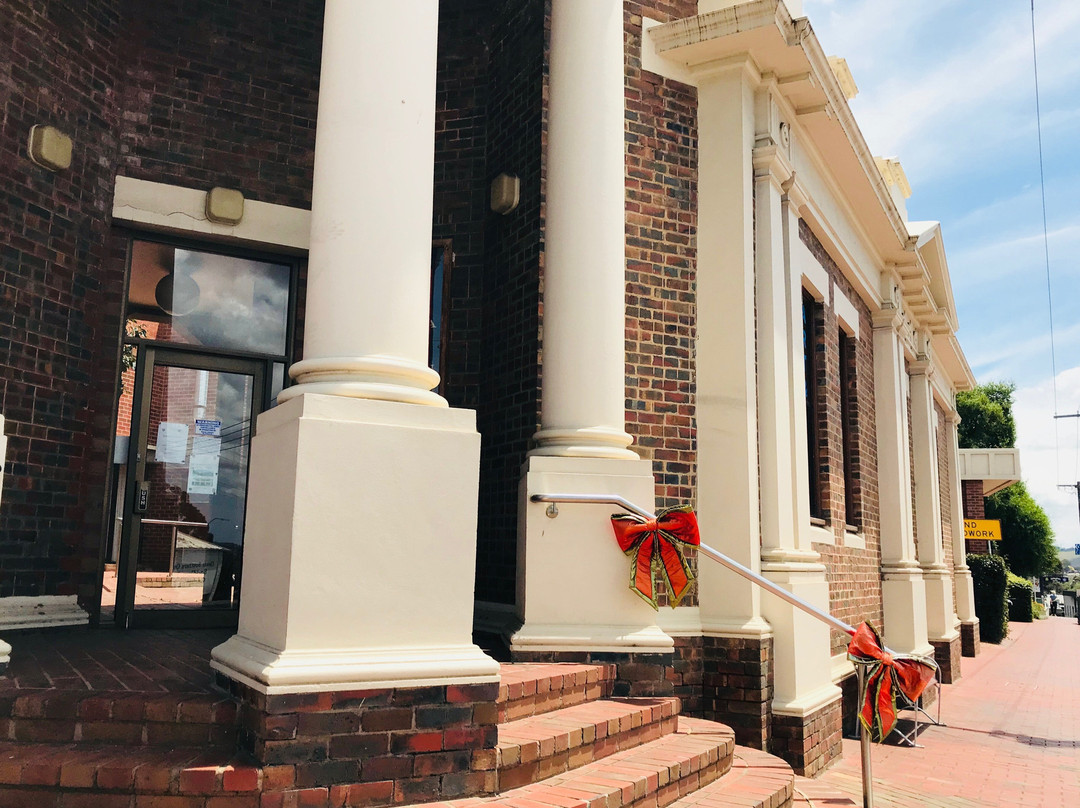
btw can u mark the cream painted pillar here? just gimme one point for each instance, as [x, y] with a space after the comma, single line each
[903, 593]
[802, 681]
[360, 542]
[727, 411]
[582, 446]
[937, 574]
[965, 587]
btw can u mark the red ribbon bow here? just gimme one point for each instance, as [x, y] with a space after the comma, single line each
[910, 674]
[658, 542]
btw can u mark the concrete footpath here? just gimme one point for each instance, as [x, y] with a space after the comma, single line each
[1012, 734]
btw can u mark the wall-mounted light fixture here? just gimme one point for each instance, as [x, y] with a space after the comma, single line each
[224, 205]
[49, 148]
[505, 193]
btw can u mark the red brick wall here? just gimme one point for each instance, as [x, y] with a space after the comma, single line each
[57, 67]
[853, 572]
[154, 91]
[661, 221]
[222, 93]
[509, 351]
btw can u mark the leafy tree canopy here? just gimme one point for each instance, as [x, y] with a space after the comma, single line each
[1027, 540]
[986, 417]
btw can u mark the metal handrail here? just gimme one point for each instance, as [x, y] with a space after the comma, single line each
[768, 586]
[715, 555]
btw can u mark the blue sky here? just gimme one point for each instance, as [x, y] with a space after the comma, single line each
[947, 87]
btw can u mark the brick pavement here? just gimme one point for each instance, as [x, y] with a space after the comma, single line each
[1012, 734]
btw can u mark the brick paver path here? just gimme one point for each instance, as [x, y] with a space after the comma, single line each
[1012, 736]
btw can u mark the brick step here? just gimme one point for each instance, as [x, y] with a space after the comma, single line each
[756, 780]
[652, 775]
[120, 717]
[101, 775]
[534, 748]
[533, 688]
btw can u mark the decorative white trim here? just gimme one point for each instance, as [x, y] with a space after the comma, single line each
[5, 655]
[809, 703]
[682, 621]
[755, 627]
[173, 209]
[47, 611]
[268, 671]
[845, 312]
[813, 276]
[607, 639]
[842, 667]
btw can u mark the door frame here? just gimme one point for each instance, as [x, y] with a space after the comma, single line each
[151, 355]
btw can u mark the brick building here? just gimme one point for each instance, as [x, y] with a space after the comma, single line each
[446, 257]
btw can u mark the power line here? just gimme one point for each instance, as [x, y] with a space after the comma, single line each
[1046, 244]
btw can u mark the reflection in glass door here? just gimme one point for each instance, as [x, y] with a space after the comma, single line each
[185, 488]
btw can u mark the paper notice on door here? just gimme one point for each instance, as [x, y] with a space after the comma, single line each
[171, 442]
[203, 465]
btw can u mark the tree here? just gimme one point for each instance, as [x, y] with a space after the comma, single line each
[1027, 540]
[986, 417]
[1026, 536]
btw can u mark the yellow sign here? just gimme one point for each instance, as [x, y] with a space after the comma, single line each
[982, 529]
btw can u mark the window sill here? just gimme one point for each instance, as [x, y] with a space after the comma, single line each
[854, 538]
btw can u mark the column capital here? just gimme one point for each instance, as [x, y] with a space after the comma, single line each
[771, 163]
[921, 366]
[887, 317]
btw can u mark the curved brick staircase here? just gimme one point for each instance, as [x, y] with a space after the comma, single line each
[563, 742]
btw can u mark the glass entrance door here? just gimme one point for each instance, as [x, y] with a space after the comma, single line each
[185, 489]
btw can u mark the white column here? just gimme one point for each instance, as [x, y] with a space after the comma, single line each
[583, 406]
[937, 575]
[582, 445]
[965, 588]
[802, 682]
[369, 269]
[360, 543]
[727, 411]
[903, 593]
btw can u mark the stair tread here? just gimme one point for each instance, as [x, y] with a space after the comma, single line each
[531, 688]
[139, 769]
[118, 705]
[756, 780]
[624, 777]
[606, 715]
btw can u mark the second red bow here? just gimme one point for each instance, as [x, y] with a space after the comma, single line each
[658, 544]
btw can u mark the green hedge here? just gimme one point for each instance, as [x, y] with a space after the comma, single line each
[991, 604]
[1021, 599]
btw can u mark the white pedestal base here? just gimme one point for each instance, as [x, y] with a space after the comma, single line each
[360, 549]
[802, 678]
[573, 580]
[903, 596]
[43, 611]
[940, 619]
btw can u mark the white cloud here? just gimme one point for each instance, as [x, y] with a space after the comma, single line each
[1049, 454]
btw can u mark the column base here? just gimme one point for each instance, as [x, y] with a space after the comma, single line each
[970, 645]
[405, 745]
[940, 617]
[360, 554]
[573, 580]
[737, 686]
[803, 679]
[270, 671]
[903, 596]
[812, 741]
[947, 656]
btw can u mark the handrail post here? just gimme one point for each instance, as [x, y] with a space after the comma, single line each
[864, 743]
